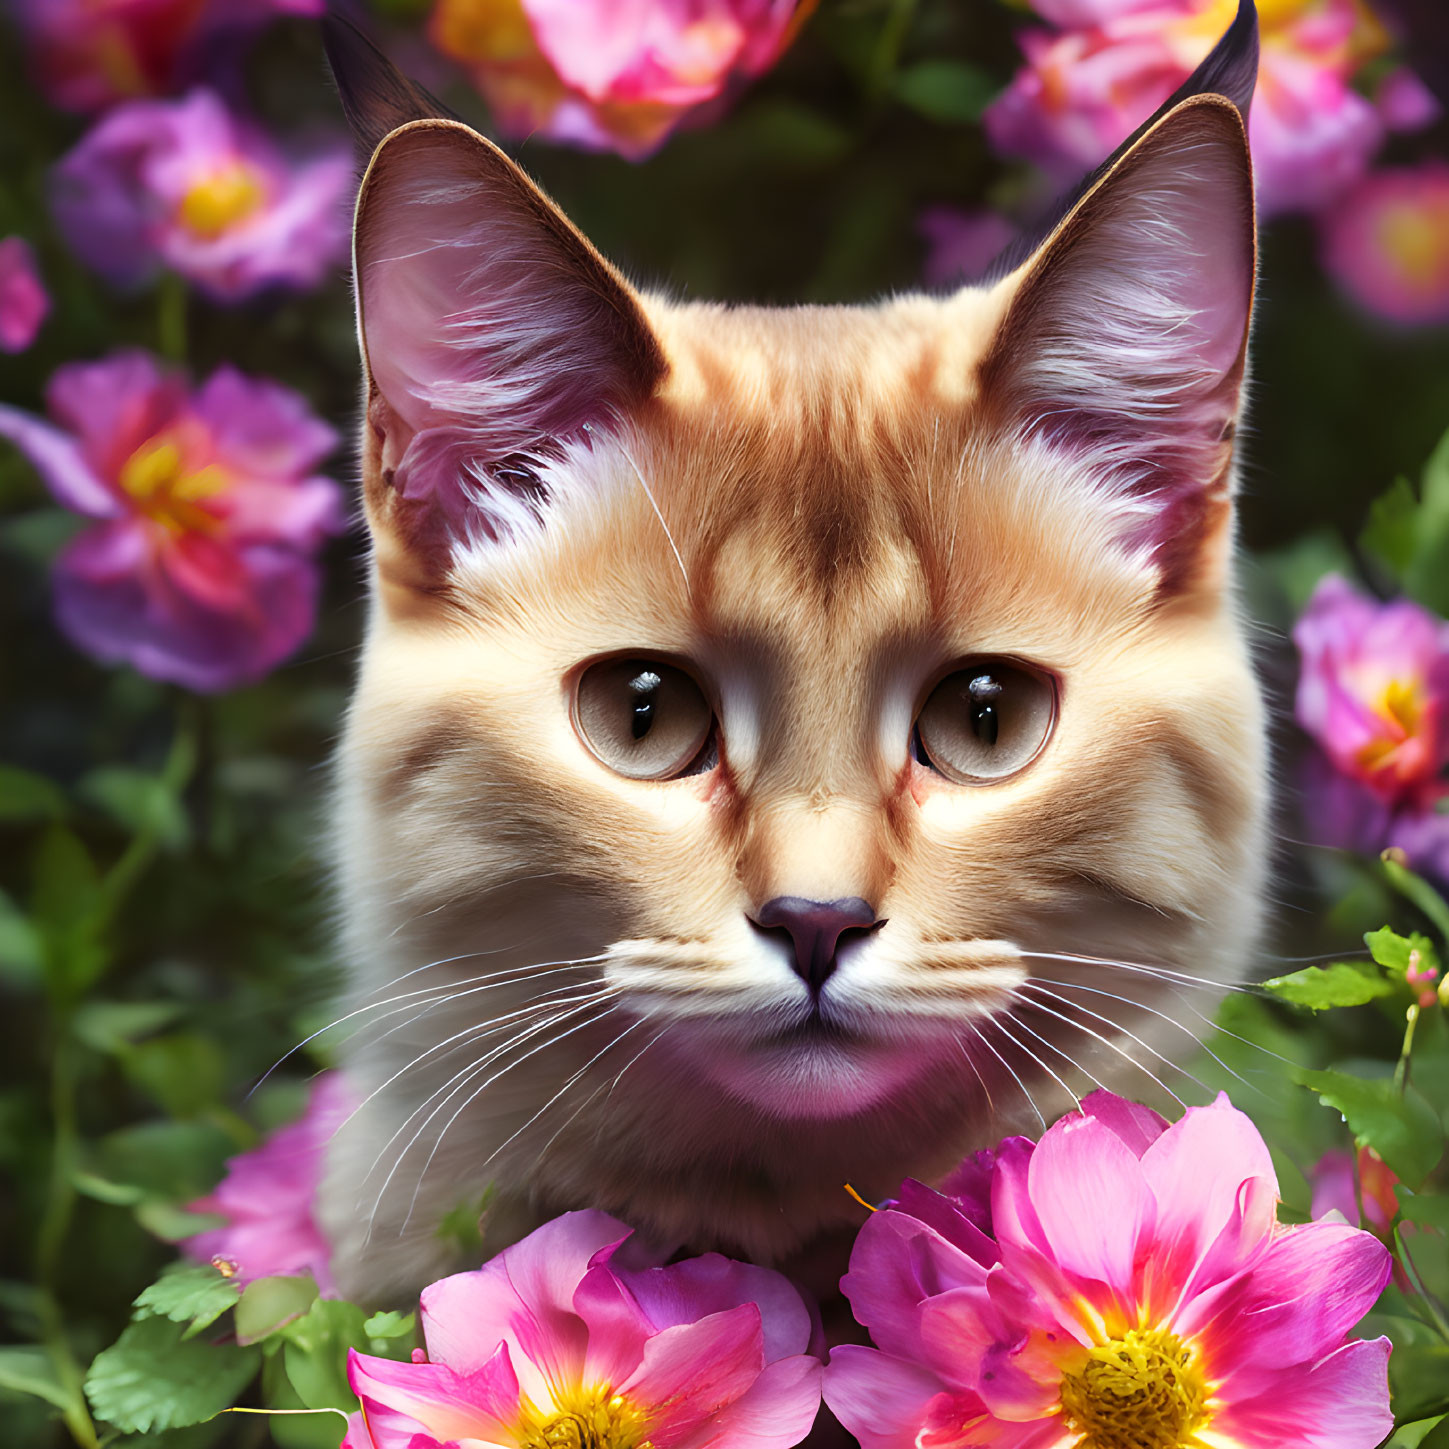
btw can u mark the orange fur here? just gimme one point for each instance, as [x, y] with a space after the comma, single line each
[818, 509]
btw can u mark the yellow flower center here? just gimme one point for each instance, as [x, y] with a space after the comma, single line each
[595, 1418]
[1413, 236]
[222, 198]
[1144, 1390]
[1401, 707]
[156, 477]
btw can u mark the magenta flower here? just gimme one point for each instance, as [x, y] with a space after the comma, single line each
[23, 299]
[1373, 690]
[961, 245]
[559, 1341]
[187, 185]
[268, 1196]
[1386, 243]
[1336, 1189]
[609, 76]
[1108, 64]
[89, 54]
[1138, 1290]
[199, 565]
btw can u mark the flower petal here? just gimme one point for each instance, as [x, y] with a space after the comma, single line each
[61, 464]
[403, 1399]
[775, 1412]
[1341, 1402]
[882, 1400]
[694, 1370]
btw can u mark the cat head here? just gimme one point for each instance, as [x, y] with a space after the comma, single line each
[835, 690]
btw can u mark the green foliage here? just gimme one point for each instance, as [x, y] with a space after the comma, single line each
[1399, 1125]
[1345, 983]
[192, 1294]
[154, 1377]
[1408, 533]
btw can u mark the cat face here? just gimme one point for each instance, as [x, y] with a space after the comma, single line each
[771, 722]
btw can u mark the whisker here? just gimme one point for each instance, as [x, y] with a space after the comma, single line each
[988, 1044]
[1160, 973]
[483, 1087]
[462, 1078]
[1030, 985]
[1001, 1023]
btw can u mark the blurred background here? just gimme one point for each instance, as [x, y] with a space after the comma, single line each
[176, 330]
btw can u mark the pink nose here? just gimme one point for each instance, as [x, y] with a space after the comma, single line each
[815, 929]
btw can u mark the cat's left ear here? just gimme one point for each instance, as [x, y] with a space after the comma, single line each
[1124, 340]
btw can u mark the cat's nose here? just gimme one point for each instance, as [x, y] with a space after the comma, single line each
[815, 929]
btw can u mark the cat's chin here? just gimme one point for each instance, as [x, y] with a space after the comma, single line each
[813, 1072]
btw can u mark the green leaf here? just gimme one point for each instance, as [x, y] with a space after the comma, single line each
[1391, 534]
[391, 1325]
[1437, 1437]
[1421, 893]
[191, 1293]
[152, 1378]
[316, 1353]
[1391, 950]
[26, 797]
[22, 954]
[1403, 1130]
[27, 1369]
[112, 1026]
[183, 1071]
[65, 898]
[946, 90]
[172, 1160]
[163, 1219]
[1345, 983]
[1430, 1211]
[270, 1304]
[143, 804]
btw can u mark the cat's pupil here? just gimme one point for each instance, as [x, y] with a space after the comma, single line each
[984, 690]
[645, 689]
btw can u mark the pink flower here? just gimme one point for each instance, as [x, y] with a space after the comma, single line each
[1109, 64]
[187, 185]
[267, 1197]
[199, 565]
[1386, 243]
[1374, 690]
[23, 301]
[1334, 1189]
[618, 75]
[961, 245]
[88, 54]
[1139, 1290]
[561, 1340]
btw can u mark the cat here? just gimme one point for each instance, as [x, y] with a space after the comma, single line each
[773, 725]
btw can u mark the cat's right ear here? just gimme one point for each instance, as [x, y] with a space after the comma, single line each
[492, 332]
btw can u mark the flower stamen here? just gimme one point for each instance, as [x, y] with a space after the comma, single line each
[1144, 1390]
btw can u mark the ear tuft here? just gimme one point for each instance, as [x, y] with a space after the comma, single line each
[376, 96]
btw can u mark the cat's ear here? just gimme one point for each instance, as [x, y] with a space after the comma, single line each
[1124, 342]
[492, 331]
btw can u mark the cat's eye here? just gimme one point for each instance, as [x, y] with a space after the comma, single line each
[985, 721]
[644, 718]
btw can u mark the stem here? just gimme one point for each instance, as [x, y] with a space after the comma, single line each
[59, 1208]
[886, 55]
[1401, 1070]
[1426, 1300]
[171, 317]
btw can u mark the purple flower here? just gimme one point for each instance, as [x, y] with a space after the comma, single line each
[23, 300]
[1386, 243]
[961, 245]
[199, 565]
[1373, 692]
[558, 1341]
[186, 184]
[269, 1193]
[1108, 64]
[89, 54]
[1374, 689]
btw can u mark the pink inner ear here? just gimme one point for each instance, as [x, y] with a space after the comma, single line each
[490, 326]
[1126, 344]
